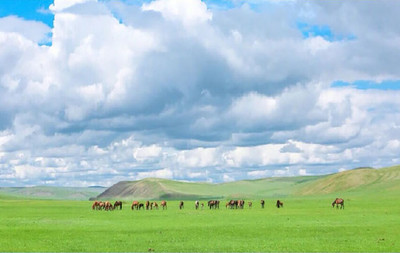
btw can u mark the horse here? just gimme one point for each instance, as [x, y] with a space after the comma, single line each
[101, 205]
[240, 204]
[118, 203]
[202, 206]
[107, 206]
[95, 205]
[154, 205]
[147, 205]
[337, 202]
[211, 204]
[135, 204]
[196, 204]
[233, 203]
[181, 205]
[216, 205]
[164, 204]
[140, 206]
[279, 203]
[250, 204]
[227, 204]
[262, 203]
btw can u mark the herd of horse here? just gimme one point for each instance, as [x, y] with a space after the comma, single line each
[212, 204]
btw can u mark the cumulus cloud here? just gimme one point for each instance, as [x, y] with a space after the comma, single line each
[186, 90]
[33, 30]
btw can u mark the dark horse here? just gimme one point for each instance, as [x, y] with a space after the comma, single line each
[279, 203]
[118, 203]
[262, 203]
[213, 204]
[181, 205]
[338, 202]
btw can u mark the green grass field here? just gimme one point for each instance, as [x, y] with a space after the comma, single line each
[369, 222]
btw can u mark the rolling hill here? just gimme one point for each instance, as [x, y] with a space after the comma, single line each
[352, 181]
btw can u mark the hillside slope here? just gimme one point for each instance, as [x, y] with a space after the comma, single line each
[357, 180]
[154, 188]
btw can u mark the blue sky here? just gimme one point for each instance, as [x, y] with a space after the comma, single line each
[28, 9]
[94, 92]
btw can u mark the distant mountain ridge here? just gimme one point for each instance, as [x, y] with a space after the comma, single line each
[51, 192]
[342, 182]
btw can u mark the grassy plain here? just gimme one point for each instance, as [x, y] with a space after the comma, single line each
[369, 223]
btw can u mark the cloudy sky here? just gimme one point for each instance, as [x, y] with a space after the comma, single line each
[97, 91]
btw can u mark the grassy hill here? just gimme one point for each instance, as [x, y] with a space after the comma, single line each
[50, 192]
[357, 180]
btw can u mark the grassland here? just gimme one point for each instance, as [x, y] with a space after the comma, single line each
[370, 221]
[366, 224]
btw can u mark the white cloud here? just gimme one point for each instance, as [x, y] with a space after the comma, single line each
[60, 5]
[163, 173]
[32, 30]
[188, 11]
[176, 89]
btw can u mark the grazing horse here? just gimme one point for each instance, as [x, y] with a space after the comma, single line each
[95, 205]
[338, 202]
[147, 205]
[164, 204]
[202, 206]
[279, 203]
[101, 205]
[262, 203]
[118, 203]
[107, 206]
[227, 204]
[135, 204]
[240, 204]
[233, 203]
[154, 205]
[141, 205]
[181, 204]
[250, 204]
[196, 204]
[211, 204]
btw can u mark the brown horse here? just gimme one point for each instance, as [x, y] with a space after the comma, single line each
[262, 203]
[164, 204]
[250, 204]
[101, 205]
[140, 206]
[202, 206]
[147, 205]
[181, 204]
[107, 206]
[240, 204]
[118, 203]
[154, 205]
[211, 204]
[337, 202]
[135, 204]
[95, 205]
[233, 204]
[279, 203]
